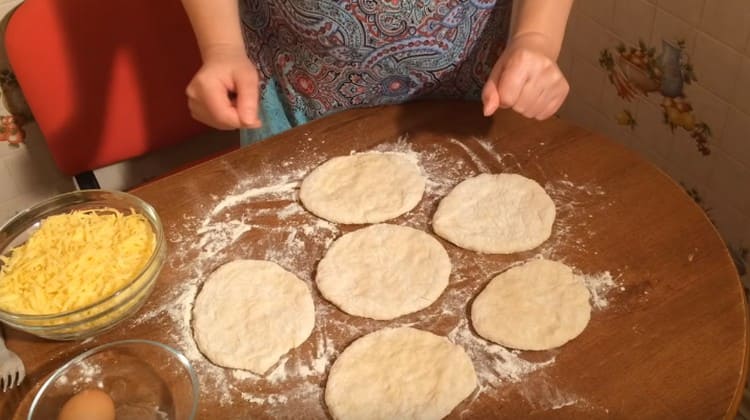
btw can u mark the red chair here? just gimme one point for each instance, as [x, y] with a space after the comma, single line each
[105, 79]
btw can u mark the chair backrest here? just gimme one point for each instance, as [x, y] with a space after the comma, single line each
[105, 79]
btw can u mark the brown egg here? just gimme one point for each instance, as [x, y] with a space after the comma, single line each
[89, 404]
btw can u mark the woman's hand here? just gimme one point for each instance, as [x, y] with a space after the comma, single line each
[526, 78]
[224, 92]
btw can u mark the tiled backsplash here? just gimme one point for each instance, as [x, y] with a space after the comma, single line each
[616, 57]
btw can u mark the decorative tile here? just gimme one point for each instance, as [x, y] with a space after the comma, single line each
[671, 28]
[717, 66]
[689, 10]
[634, 20]
[736, 138]
[742, 91]
[728, 21]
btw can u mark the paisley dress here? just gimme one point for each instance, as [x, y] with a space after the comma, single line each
[316, 57]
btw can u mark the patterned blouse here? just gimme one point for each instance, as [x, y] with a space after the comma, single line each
[316, 57]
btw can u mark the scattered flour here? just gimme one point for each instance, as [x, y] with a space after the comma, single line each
[284, 232]
[599, 285]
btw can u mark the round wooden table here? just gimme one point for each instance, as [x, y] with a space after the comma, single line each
[671, 341]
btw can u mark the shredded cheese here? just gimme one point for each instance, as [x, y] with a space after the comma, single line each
[74, 260]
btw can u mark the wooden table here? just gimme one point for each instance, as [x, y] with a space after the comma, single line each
[672, 343]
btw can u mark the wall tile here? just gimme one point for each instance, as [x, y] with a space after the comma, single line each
[689, 10]
[583, 114]
[742, 91]
[732, 225]
[669, 27]
[633, 20]
[587, 38]
[691, 167]
[8, 188]
[28, 177]
[565, 60]
[652, 131]
[9, 208]
[611, 105]
[729, 182]
[735, 140]
[586, 81]
[602, 11]
[7, 149]
[728, 21]
[708, 108]
[716, 66]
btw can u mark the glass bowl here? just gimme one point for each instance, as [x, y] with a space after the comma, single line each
[107, 312]
[145, 379]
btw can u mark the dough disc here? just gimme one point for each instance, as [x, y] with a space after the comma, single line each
[400, 373]
[363, 188]
[249, 313]
[535, 306]
[384, 271]
[496, 214]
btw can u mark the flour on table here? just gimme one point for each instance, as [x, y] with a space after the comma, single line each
[268, 204]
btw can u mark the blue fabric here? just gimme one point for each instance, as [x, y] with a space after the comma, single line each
[274, 115]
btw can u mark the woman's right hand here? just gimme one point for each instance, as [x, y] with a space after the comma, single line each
[224, 92]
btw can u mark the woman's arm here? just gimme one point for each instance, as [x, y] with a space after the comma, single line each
[526, 76]
[545, 18]
[216, 24]
[226, 70]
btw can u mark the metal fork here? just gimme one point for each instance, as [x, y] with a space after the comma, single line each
[12, 370]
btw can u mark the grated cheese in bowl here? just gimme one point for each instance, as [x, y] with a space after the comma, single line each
[74, 260]
[79, 263]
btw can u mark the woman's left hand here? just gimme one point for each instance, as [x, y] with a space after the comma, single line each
[526, 78]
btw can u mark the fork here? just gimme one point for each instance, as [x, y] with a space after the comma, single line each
[12, 370]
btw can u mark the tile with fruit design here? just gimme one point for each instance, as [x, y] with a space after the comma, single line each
[15, 107]
[639, 71]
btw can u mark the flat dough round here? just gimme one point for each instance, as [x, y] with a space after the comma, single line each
[535, 306]
[384, 271]
[363, 188]
[249, 313]
[496, 214]
[400, 373]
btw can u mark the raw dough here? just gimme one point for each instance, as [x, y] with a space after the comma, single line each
[496, 214]
[400, 373]
[535, 306]
[363, 188]
[384, 271]
[249, 313]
